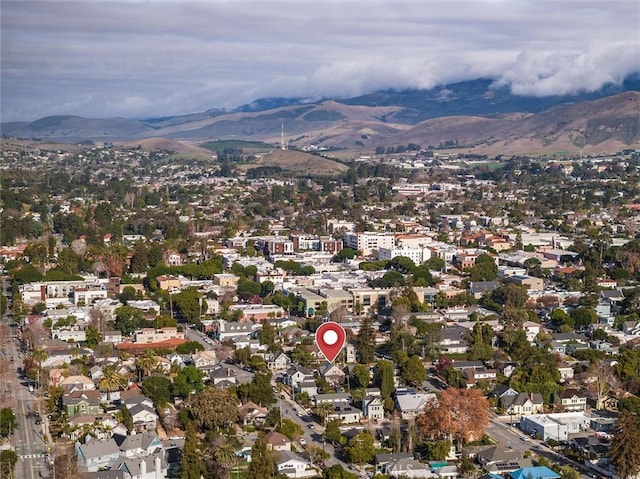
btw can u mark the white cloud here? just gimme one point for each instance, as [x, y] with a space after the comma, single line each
[145, 58]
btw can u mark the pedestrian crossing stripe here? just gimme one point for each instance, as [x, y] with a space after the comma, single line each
[32, 456]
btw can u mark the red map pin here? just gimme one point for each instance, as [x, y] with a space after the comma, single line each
[330, 338]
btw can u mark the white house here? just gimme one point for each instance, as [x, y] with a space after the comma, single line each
[373, 408]
[293, 465]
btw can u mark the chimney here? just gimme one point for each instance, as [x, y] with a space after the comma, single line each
[143, 468]
[158, 463]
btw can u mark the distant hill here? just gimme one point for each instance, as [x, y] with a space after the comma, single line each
[297, 162]
[467, 115]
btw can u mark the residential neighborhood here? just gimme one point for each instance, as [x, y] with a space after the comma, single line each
[158, 319]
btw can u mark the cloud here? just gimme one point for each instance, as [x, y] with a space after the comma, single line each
[543, 74]
[148, 58]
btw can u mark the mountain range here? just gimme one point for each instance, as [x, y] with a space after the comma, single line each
[472, 116]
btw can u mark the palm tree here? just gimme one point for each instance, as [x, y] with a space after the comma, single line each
[147, 362]
[39, 356]
[111, 381]
[322, 410]
[223, 452]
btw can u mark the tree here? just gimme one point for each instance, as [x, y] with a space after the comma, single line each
[623, 453]
[189, 380]
[147, 362]
[191, 464]
[8, 460]
[126, 417]
[413, 371]
[263, 464]
[510, 295]
[157, 388]
[8, 422]
[603, 381]
[190, 347]
[111, 380]
[258, 390]
[223, 452]
[39, 356]
[583, 317]
[366, 342]
[213, 408]
[383, 378]
[361, 376]
[458, 414]
[187, 305]
[435, 450]
[485, 269]
[332, 433]
[291, 429]
[338, 472]
[360, 449]
[93, 336]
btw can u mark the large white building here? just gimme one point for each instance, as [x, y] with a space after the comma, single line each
[417, 255]
[369, 243]
[554, 426]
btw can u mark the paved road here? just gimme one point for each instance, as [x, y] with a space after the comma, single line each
[27, 440]
[500, 431]
[194, 335]
[293, 411]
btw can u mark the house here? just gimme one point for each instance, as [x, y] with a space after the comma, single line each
[344, 413]
[566, 372]
[372, 408]
[77, 383]
[296, 375]
[223, 377]
[501, 390]
[411, 404]
[281, 363]
[87, 402]
[333, 398]
[138, 445]
[453, 339]
[332, 374]
[497, 454]
[251, 413]
[277, 441]
[204, 359]
[98, 426]
[150, 467]
[309, 387]
[536, 472]
[570, 400]
[144, 417]
[408, 467]
[473, 375]
[293, 465]
[522, 403]
[97, 454]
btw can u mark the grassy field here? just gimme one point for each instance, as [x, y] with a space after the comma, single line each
[219, 145]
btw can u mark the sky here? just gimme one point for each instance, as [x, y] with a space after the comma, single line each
[146, 58]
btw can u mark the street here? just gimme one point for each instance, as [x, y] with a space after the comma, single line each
[27, 440]
[296, 413]
[502, 432]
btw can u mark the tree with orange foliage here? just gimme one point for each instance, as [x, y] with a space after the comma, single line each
[457, 414]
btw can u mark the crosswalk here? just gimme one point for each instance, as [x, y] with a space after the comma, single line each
[32, 456]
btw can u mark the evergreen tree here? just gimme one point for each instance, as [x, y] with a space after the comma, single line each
[366, 342]
[413, 371]
[623, 453]
[263, 464]
[192, 466]
[383, 378]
